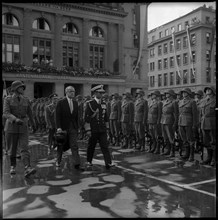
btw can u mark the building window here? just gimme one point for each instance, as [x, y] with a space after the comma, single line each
[159, 80]
[193, 56]
[178, 78]
[70, 54]
[160, 34]
[9, 19]
[165, 63]
[134, 17]
[10, 48]
[165, 79]
[193, 75]
[186, 23]
[179, 27]
[151, 81]
[160, 50]
[185, 59]
[193, 39]
[172, 29]
[165, 48]
[166, 32]
[171, 78]
[159, 64]
[152, 66]
[208, 75]
[70, 28]
[135, 41]
[171, 62]
[96, 32]
[178, 58]
[152, 52]
[41, 51]
[208, 36]
[96, 56]
[178, 44]
[207, 20]
[185, 42]
[171, 46]
[208, 55]
[41, 24]
[153, 38]
[185, 76]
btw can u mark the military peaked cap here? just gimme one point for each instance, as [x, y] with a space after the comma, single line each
[98, 88]
[54, 95]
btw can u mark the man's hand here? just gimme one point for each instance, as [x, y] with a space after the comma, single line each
[59, 130]
[19, 121]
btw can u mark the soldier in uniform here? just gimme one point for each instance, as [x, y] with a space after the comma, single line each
[154, 117]
[140, 118]
[50, 120]
[127, 118]
[17, 110]
[169, 122]
[187, 122]
[96, 125]
[114, 118]
[208, 124]
[198, 133]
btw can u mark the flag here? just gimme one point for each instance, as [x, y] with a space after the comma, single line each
[141, 15]
[212, 40]
[5, 92]
[190, 50]
[177, 67]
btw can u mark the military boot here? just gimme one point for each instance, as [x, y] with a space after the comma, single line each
[172, 152]
[168, 145]
[192, 152]
[157, 150]
[153, 147]
[187, 152]
[124, 143]
[142, 145]
[209, 157]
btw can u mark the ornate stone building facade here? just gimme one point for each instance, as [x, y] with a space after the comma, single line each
[79, 44]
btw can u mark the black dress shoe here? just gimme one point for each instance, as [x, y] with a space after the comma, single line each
[108, 166]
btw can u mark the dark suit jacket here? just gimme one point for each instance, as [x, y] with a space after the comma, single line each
[64, 117]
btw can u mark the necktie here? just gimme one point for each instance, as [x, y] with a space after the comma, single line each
[71, 106]
[18, 97]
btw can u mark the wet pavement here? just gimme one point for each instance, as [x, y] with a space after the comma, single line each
[142, 185]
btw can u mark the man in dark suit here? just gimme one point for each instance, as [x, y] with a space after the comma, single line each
[96, 125]
[67, 120]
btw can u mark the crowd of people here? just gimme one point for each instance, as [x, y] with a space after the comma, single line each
[159, 123]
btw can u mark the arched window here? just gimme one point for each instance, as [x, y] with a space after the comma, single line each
[9, 19]
[41, 24]
[96, 32]
[70, 28]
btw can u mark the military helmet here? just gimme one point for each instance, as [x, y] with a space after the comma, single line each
[157, 93]
[211, 88]
[116, 95]
[16, 84]
[199, 92]
[140, 91]
[187, 90]
[127, 94]
[171, 92]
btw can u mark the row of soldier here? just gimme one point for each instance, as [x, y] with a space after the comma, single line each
[169, 122]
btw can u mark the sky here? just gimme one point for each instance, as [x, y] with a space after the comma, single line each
[161, 13]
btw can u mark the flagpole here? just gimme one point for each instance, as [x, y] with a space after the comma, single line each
[177, 67]
[190, 51]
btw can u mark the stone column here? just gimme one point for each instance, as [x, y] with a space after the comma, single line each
[120, 48]
[109, 59]
[27, 38]
[29, 91]
[58, 59]
[85, 44]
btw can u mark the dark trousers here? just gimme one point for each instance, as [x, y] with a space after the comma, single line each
[102, 138]
[51, 133]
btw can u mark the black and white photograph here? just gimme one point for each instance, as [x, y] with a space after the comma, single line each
[108, 110]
